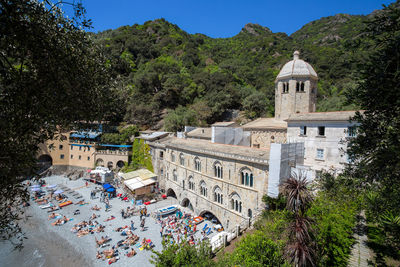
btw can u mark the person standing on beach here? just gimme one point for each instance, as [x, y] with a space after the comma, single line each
[132, 225]
[142, 224]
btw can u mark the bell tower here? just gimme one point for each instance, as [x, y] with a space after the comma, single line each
[295, 88]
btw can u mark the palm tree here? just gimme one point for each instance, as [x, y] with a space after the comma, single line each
[300, 249]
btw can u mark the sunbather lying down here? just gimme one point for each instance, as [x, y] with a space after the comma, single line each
[109, 218]
[102, 241]
[131, 253]
[60, 221]
[53, 215]
[96, 208]
[112, 260]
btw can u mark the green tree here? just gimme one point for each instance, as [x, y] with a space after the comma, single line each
[140, 157]
[255, 105]
[177, 119]
[183, 255]
[376, 149]
[257, 249]
[51, 76]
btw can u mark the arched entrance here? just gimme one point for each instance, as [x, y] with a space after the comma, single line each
[110, 165]
[210, 216]
[186, 203]
[120, 164]
[100, 162]
[171, 193]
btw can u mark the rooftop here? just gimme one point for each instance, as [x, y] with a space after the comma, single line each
[322, 116]
[224, 124]
[265, 124]
[153, 136]
[204, 133]
[143, 174]
[297, 68]
[222, 150]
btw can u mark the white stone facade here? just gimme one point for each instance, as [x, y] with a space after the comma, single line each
[325, 141]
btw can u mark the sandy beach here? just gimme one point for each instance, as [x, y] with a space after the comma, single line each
[49, 245]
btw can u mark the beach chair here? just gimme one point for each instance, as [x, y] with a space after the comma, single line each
[205, 227]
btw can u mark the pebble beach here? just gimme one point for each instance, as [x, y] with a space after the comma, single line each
[48, 245]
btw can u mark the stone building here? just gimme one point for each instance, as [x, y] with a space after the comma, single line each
[225, 180]
[225, 170]
[82, 150]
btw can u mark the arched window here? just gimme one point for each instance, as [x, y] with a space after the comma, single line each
[302, 87]
[246, 177]
[285, 87]
[218, 195]
[172, 156]
[297, 86]
[197, 164]
[175, 175]
[182, 159]
[236, 202]
[191, 183]
[218, 170]
[203, 189]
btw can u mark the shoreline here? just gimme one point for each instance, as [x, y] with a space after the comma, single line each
[43, 247]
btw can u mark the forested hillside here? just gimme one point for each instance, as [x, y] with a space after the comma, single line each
[165, 75]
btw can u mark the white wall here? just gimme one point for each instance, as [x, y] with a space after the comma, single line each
[334, 143]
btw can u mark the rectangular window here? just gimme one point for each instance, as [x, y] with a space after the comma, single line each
[88, 148]
[321, 130]
[80, 148]
[303, 130]
[60, 147]
[320, 153]
[72, 147]
[318, 174]
[72, 156]
[88, 158]
[352, 131]
[62, 156]
[161, 154]
[80, 157]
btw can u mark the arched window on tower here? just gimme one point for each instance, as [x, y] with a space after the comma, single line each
[302, 87]
[297, 87]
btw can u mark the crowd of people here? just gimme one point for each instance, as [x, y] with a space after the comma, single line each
[178, 227]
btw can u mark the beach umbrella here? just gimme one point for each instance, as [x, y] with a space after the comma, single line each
[52, 186]
[111, 189]
[58, 192]
[35, 189]
[106, 186]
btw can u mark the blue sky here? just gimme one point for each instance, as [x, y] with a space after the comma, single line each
[221, 18]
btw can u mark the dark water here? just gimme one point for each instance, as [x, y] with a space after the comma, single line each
[42, 248]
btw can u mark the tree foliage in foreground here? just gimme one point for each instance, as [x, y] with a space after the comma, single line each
[376, 149]
[174, 255]
[51, 76]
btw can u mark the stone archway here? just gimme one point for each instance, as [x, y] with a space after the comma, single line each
[171, 193]
[187, 203]
[100, 162]
[211, 216]
[120, 164]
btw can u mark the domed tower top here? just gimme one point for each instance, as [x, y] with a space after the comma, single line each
[297, 68]
[295, 88]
